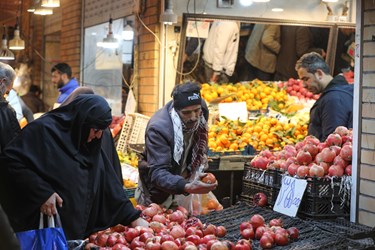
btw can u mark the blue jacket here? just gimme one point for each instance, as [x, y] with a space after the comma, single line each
[333, 108]
[158, 172]
[67, 89]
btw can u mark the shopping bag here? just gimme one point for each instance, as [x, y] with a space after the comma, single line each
[44, 238]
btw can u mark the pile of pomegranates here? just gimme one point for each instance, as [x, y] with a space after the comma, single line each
[312, 158]
[294, 87]
[168, 230]
[270, 234]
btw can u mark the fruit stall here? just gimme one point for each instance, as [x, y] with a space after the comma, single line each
[255, 161]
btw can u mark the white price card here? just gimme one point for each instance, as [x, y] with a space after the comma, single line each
[290, 196]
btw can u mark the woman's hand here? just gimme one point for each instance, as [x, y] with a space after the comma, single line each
[49, 207]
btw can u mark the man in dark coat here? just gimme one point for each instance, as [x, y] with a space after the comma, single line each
[175, 148]
[335, 105]
[57, 163]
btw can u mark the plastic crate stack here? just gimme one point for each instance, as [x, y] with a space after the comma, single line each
[324, 198]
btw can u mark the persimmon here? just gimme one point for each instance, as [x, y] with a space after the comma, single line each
[212, 204]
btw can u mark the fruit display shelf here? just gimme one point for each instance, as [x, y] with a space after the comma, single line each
[311, 235]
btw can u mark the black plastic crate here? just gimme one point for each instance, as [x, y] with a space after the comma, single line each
[323, 208]
[266, 177]
[250, 188]
[328, 187]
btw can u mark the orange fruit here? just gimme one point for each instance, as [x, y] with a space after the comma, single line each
[212, 204]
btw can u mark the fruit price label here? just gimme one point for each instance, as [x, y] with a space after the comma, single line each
[290, 196]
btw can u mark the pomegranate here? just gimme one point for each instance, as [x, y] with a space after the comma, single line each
[101, 239]
[221, 231]
[137, 243]
[276, 222]
[304, 157]
[281, 239]
[119, 228]
[176, 216]
[218, 245]
[153, 244]
[150, 211]
[321, 145]
[325, 166]
[266, 153]
[259, 162]
[245, 224]
[183, 210]
[266, 242]
[302, 171]
[209, 229]
[243, 244]
[311, 139]
[335, 170]
[346, 152]
[290, 149]
[293, 233]
[348, 170]
[193, 222]
[177, 232]
[111, 240]
[207, 238]
[193, 231]
[146, 235]
[169, 245]
[248, 233]
[159, 218]
[209, 178]
[165, 237]
[194, 238]
[342, 130]
[339, 161]
[328, 155]
[299, 146]
[292, 169]
[119, 246]
[259, 232]
[260, 199]
[312, 149]
[333, 139]
[316, 171]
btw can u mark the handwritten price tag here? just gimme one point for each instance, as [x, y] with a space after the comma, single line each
[290, 196]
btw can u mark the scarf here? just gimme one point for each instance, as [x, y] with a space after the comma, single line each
[200, 147]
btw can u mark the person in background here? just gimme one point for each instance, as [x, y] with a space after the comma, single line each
[261, 52]
[295, 42]
[9, 128]
[220, 51]
[33, 101]
[62, 78]
[22, 111]
[335, 105]
[175, 148]
[78, 181]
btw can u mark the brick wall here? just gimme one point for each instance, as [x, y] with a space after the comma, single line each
[147, 58]
[366, 199]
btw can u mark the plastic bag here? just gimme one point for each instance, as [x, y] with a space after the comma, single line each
[51, 237]
[197, 204]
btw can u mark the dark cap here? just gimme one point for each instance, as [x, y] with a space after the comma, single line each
[186, 94]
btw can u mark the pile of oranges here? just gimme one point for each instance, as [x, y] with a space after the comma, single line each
[263, 133]
[256, 94]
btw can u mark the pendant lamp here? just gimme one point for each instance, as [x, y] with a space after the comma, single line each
[17, 43]
[51, 3]
[109, 41]
[5, 53]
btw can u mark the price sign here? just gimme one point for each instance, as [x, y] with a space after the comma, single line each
[290, 196]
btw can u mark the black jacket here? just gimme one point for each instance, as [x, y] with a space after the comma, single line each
[333, 108]
[158, 171]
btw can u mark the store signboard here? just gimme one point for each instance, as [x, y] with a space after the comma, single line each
[290, 196]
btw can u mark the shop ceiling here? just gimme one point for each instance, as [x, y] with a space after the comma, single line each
[8, 11]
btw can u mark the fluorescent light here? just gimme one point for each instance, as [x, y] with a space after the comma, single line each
[330, 1]
[246, 3]
[277, 9]
[51, 3]
[43, 11]
[261, 1]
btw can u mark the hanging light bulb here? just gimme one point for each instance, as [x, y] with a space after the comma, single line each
[109, 41]
[168, 16]
[17, 43]
[33, 6]
[5, 53]
[261, 1]
[127, 32]
[51, 3]
[43, 11]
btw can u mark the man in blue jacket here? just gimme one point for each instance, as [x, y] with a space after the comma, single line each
[335, 105]
[175, 148]
[62, 78]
